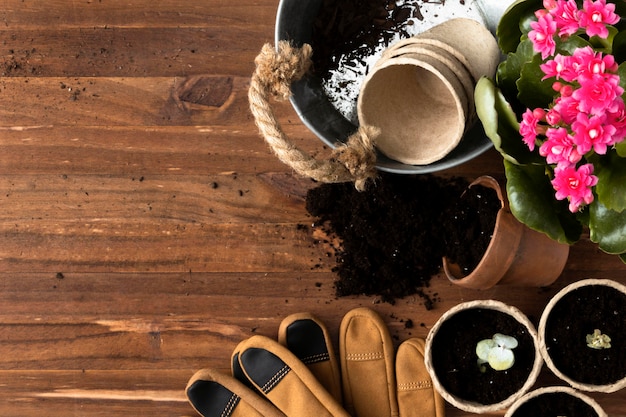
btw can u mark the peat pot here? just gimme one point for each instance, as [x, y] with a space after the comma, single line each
[582, 335]
[452, 361]
[516, 254]
[555, 401]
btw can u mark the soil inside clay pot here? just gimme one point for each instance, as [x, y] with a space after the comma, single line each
[555, 404]
[455, 362]
[394, 234]
[471, 226]
[576, 315]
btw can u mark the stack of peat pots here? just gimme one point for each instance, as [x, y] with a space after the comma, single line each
[420, 93]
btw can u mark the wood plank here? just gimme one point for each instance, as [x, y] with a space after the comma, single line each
[116, 101]
[227, 198]
[132, 52]
[93, 393]
[145, 151]
[62, 14]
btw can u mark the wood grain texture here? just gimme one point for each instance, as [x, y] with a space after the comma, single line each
[146, 228]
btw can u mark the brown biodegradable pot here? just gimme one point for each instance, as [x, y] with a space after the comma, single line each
[419, 106]
[572, 314]
[555, 401]
[516, 255]
[451, 359]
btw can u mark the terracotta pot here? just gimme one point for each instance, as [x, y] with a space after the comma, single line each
[516, 255]
[451, 359]
[573, 313]
[566, 394]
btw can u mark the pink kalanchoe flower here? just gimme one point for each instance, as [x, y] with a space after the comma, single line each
[568, 108]
[575, 185]
[593, 133]
[566, 17]
[542, 35]
[549, 4]
[562, 67]
[618, 120]
[598, 93]
[529, 127]
[553, 117]
[596, 15]
[586, 63]
[559, 148]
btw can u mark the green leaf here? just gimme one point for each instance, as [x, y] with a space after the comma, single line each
[619, 46]
[621, 71]
[509, 71]
[500, 123]
[484, 347]
[501, 359]
[570, 45]
[532, 202]
[515, 22]
[611, 189]
[607, 228]
[534, 92]
[621, 149]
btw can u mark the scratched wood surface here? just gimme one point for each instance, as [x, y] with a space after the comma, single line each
[145, 227]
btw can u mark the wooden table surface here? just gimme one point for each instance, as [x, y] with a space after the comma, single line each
[145, 226]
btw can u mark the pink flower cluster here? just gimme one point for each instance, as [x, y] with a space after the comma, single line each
[588, 113]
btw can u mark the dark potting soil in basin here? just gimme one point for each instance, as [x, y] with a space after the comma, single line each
[455, 361]
[555, 404]
[394, 235]
[577, 314]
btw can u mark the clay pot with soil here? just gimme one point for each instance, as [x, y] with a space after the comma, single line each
[503, 250]
[555, 401]
[582, 335]
[454, 359]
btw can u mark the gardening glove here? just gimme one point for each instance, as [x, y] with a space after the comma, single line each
[374, 383]
[280, 376]
[214, 394]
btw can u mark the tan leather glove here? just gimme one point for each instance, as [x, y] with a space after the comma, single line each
[377, 383]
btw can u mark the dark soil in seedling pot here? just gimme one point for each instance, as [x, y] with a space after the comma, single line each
[455, 361]
[555, 404]
[574, 316]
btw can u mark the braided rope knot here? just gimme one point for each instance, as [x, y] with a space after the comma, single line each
[276, 69]
[279, 67]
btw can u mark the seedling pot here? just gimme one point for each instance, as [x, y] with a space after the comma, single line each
[516, 255]
[555, 401]
[451, 358]
[572, 314]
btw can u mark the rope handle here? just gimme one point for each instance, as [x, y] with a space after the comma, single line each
[276, 69]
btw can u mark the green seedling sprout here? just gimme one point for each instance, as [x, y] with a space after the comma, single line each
[497, 352]
[597, 340]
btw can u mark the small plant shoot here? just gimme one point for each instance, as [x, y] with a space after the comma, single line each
[497, 352]
[597, 340]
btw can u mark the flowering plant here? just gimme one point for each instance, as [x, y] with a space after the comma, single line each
[556, 113]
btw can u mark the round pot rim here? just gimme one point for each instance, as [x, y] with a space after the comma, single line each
[471, 406]
[607, 388]
[547, 390]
